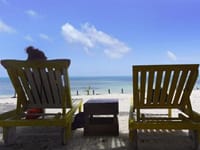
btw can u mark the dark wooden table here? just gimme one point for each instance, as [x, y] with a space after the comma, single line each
[101, 117]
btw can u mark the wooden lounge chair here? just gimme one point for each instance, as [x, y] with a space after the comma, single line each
[40, 84]
[163, 87]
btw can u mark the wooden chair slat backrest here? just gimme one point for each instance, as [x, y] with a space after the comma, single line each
[39, 83]
[163, 86]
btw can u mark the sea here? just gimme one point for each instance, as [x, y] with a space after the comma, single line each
[88, 85]
[84, 85]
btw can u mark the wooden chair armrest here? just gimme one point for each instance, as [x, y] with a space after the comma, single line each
[131, 110]
[8, 114]
[195, 116]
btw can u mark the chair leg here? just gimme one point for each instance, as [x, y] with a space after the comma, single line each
[194, 135]
[9, 135]
[66, 133]
[133, 138]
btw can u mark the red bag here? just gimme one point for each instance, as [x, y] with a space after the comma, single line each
[31, 113]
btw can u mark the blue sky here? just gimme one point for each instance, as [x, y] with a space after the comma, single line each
[102, 37]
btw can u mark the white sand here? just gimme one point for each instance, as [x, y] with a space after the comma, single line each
[42, 138]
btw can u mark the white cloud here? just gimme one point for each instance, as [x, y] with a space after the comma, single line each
[5, 28]
[90, 38]
[171, 56]
[32, 13]
[44, 36]
[4, 1]
[74, 36]
[29, 38]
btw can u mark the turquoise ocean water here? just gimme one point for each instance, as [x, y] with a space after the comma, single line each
[98, 85]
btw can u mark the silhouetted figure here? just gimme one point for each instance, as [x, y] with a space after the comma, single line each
[122, 90]
[108, 91]
[34, 54]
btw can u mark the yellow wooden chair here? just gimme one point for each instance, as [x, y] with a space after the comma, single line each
[40, 84]
[163, 87]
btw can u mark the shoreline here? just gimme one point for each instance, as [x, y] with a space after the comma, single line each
[4, 96]
[195, 95]
[82, 85]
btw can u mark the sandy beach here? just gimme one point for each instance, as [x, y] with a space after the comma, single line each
[42, 138]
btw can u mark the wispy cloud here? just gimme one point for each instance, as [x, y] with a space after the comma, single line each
[44, 36]
[171, 56]
[29, 38]
[74, 36]
[5, 28]
[4, 1]
[32, 13]
[90, 38]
